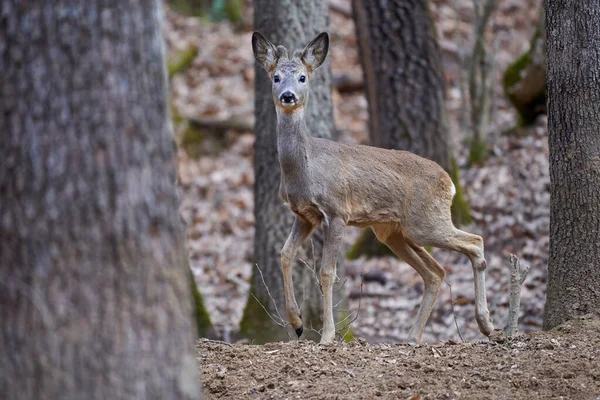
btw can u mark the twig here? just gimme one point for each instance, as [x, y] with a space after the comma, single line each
[345, 327]
[269, 292]
[311, 329]
[282, 322]
[341, 287]
[435, 335]
[303, 297]
[454, 312]
[518, 274]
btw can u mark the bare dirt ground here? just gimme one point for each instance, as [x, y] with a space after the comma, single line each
[560, 364]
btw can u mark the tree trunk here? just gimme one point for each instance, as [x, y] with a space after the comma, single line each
[403, 76]
[95, 298]
[292, 23]
[573, 37]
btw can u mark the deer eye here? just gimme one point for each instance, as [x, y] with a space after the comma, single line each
[302, 78]
[276, 79]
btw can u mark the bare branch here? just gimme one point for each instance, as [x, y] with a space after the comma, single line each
[452, 302]
[282, 322]
[345, 327]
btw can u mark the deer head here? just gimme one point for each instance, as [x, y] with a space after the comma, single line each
[290, 77]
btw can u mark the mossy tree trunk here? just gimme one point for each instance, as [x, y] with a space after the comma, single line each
[524, 80]
[95, 298]
[405, 85]
[217, 10]
[292, 23]
[573, 120]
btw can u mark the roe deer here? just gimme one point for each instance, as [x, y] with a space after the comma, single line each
[404, 198]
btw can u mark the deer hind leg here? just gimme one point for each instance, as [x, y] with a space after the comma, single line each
[471, 246]
[431, 272]
[300, 231]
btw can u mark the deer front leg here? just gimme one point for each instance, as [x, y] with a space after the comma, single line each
[300, 231]
[333, 231]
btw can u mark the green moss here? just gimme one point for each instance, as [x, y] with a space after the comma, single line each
[203, 323]
[175, 116]
[256, 325]
[182, 61]
[478, 151]
[368, 245]
[527, 113]
[347, 334]
[190, 8]
[234, 11]
[192, 141]
[461, 211]
[230, 10]
[512, 75]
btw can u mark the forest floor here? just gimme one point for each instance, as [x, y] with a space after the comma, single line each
[559, 364]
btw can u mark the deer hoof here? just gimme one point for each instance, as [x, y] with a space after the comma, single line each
[299, 331]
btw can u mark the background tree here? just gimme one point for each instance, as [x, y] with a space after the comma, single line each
[573, 37]
[481, 71]
[291, 23]
[405, 89]
[95, 295]
[403, 77]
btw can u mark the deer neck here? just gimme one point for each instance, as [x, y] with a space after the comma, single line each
[292, 144]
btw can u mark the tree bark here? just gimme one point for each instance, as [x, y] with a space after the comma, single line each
[292, 23]
[95, 298]
[403, 75]
[573, 84]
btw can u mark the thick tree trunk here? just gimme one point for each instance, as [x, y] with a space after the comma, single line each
[573, 40]
[95, 298]
[403, 76]
[292, 23]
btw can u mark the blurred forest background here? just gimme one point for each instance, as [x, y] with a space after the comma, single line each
[490, 55]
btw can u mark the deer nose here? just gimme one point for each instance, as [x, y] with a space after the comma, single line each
[288, 97]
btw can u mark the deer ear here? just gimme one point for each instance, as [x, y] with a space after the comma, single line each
[315, 52]
[264, 51]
